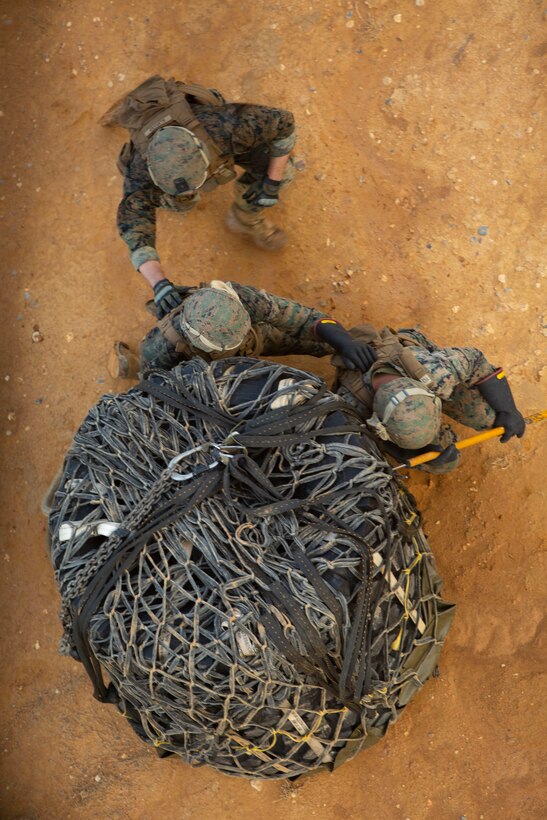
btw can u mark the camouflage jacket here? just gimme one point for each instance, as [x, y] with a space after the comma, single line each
[454, 372]
[279, 327]
[251, 134]
[450, 369]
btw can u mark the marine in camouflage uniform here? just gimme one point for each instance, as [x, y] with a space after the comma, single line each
[221, 319]
[256, 138]
[278, 327]
[455, 374]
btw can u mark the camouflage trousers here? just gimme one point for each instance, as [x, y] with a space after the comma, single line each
[466, 406]
[242, 184]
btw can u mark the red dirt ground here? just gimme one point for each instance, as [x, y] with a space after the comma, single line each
[417, 125]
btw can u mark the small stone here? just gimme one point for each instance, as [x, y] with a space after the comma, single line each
[69, 337]
[420, 2]
[97, 778]
[502, 278]
[482, 230]
[319, 177]
[110, 84]
[456, 309]
[397, 18]
[37, 645]
[74, 72]
[37, 336]
[11, 416]
[350, 23]
[121, 78]
[68, 25]
[387, 80]
[257, 785]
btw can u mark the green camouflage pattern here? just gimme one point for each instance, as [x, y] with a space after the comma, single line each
[251, 134]
[280, 327]
[174, 156]
[415, 420]
[219, 317]
[454, 371]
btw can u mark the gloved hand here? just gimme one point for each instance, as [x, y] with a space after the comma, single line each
[496, 391]
[263, 193]
[513, 422]
[447, 454]
[166, 297]
[355, 355]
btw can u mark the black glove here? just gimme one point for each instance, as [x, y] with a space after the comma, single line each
[496, 391]
[447, 454]
[355, 355]
[166, 297]
[263, 193]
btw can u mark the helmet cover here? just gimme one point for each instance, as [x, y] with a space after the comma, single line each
[177, 161]
[214, 320]
[406, 413]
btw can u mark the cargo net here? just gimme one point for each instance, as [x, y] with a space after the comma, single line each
[234, 552]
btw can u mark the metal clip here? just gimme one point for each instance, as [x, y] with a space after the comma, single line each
[223, 452]
[228, 451]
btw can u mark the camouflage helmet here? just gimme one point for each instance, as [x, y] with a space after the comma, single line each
[214, 320]
[177, 161]
[406, 413]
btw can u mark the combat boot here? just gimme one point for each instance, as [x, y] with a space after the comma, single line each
[254, 225]
[122, 363]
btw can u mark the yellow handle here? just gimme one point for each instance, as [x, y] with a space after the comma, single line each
[460, 445]
[468, 442]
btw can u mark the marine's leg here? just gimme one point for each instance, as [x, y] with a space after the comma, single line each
[250, 220]
[155, 352]
[122, 363]
[468, 407]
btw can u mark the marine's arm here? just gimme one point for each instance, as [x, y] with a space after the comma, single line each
[286, 326]
[275, 129]
[470, 367]
[290, 327]
[136, 220]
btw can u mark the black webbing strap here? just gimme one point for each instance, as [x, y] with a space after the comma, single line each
[183, 401]
[290, 439]
[324, 592]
